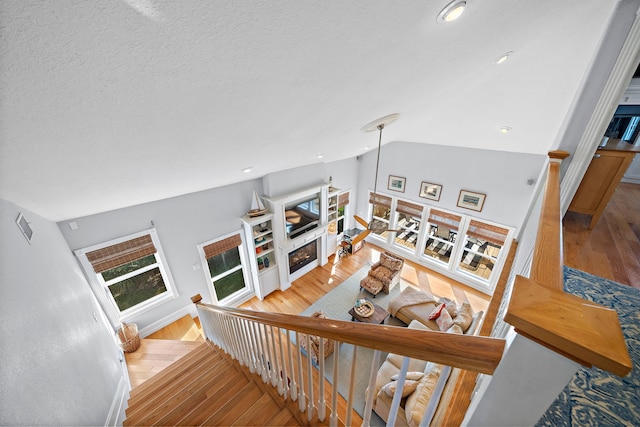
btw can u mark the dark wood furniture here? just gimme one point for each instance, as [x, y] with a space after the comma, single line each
[378, 317]
[605, 171]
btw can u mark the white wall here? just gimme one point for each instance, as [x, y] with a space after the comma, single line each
[184, 222]
[502, 176]
[59, 366]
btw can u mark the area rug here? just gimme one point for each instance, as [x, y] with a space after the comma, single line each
[594, 397]
[336, 304]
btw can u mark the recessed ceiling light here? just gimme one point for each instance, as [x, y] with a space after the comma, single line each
[452, 11]
[247, 170]
[502, 58]
[366, 147]
[505, 129]
[320, 156]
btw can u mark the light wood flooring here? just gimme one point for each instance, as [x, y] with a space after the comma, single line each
[612, 249]
[155, 354]
[313, 285]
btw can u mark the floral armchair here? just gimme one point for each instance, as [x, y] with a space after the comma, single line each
[384, 274]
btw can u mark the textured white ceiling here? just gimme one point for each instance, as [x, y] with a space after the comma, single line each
[106, 104]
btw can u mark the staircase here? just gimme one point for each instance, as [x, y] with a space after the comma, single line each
[205, 388]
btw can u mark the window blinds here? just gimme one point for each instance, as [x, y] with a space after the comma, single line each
[444, 219]
[222, 246]
[343, 199]
[116, 255]
[410, 209]
[490, 233]
[380, 200]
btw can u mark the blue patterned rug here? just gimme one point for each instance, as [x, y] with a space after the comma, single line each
[594, 397]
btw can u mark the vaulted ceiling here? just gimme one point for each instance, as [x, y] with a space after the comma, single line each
[110, 104]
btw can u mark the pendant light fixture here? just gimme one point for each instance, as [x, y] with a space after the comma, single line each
[378, 125]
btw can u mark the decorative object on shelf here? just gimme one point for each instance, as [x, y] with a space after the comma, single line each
[266, 262]
[396, 183]
[378, 124]
[331, 187]
[471, 200]
[430, 191]
[257, 206]
[363, 308]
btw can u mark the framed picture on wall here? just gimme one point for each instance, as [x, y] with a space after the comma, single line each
[396, 183]
[430, 191]
[471, 200]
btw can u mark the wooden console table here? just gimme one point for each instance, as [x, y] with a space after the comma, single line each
[605, 171]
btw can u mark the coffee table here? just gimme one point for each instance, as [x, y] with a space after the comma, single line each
[379, 315]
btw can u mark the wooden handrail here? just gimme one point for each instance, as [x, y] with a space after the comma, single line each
[539, 309]
[547, 265]
[480, 354]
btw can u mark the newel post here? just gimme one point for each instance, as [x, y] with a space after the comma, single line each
[554, 332]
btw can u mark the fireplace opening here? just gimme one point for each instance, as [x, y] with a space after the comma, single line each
[302, 256]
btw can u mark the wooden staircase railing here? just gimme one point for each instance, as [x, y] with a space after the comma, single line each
[262, 342]
[539, 308]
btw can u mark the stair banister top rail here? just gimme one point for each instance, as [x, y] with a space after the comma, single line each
[474, 353]
[541, 310]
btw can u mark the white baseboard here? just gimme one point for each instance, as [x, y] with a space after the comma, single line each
[633, 179]
[118, 405]
[167, 320]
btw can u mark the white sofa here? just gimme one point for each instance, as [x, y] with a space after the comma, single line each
[426, 396]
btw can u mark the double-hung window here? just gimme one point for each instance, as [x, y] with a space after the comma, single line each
[482, 245]
[343, 204]
[381, 214]
[409, 216]
[131, 273]
[224, 268]
[441, 235]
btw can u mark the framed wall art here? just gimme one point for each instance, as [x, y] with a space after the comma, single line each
[471, 200]
[430, 191]
[397, 183]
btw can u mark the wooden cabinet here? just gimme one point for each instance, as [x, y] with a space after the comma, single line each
[259, 238]
[605, 171]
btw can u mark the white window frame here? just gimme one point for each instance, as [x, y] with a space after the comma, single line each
[101, 290]
[393, 224]
[239, 296]
[450, 269]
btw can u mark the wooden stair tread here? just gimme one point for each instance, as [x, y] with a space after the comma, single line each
[159, 398]
[259, 413]
[165, 376]
[218, 396]
[283, 418]
[231, 410]
[186, 400]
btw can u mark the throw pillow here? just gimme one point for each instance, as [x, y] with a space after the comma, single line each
[455, 329]
[444, 321]
[417, 403]
[412, 375]
[464, 316]
[407, 389]
[436, 312]
[450, 304]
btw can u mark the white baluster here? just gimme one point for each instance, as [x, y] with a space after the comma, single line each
[354, 359]
[310, 382]
[294, 385]
[254, 348]
[322, 404]
[277, 363]
[273, 358]
[301, 394]
[397, 396]
[372, 384]
[283, 366]
[263, 354]
[247, 345]
[333, 420]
